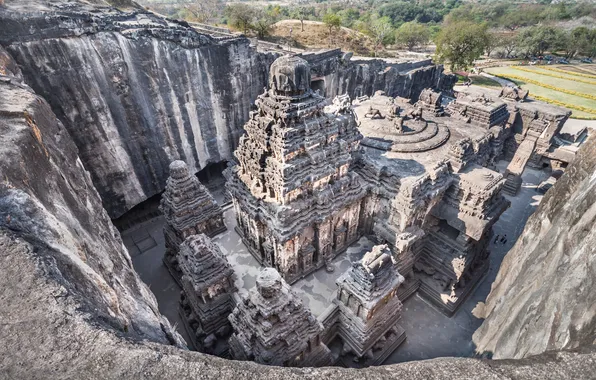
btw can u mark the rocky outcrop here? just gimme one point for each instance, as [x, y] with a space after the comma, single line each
[136, 91]
[53, 227]
[543, 297]
[45, 335]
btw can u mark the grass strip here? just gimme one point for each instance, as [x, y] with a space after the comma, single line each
[569, 72]
[537, 83]
[553, 75]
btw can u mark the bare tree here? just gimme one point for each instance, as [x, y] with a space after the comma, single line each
[204, 10]
[380, 28]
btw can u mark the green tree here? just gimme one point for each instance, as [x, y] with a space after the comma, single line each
[348, 16]
[333, 21]
[240, 16]
[508, 43]
[493, 41]
[380, 28]
[261, 23]
[460, 43]
[412, 34]
[537, 40]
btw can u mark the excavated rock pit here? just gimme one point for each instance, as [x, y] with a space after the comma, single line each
[72, 305]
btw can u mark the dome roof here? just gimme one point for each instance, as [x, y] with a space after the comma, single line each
[289, 75]
[178, 169]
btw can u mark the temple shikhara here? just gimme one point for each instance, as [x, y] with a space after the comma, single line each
[415, 178]
[272, 326]
[189, 209]
[207, 290]
[297, 202]
[369, 308]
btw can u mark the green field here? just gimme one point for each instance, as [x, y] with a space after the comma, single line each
[566, 84]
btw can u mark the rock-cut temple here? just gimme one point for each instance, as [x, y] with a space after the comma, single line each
[297, 203]
[415, 176]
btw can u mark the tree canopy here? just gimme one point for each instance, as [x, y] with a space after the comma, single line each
[460, 43]
[412, 34]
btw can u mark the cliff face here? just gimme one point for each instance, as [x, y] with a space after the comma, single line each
[52, 217]
[543, 297]
[366, 76]
[73, 307]
[136, 91]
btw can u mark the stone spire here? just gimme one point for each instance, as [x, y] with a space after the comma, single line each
[189, 209]
[296, 201]
[272, 326]
[207, 287]
[369, 308]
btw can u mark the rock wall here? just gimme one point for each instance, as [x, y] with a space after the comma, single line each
[366, 76]
[135, 97]
[543, 297]
[51, 216]
[136, 91]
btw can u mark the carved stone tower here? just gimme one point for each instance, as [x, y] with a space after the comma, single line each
[296, 201]
[272, 326]
[189, 209]
[207, 288]
[369, 308]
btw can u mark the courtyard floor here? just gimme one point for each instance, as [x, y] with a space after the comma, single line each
[430, 334]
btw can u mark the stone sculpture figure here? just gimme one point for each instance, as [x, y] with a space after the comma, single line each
[515, 93]
[373, 113]
[189, 209]
[398, 123]
[341, 104]
[273, 327]
[394, 109]
[414, 113]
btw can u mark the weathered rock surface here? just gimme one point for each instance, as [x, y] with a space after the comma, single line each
[543, 297]
[46, 335]
[72, 307]
[358, 77]
[51, 214]
[136, 91]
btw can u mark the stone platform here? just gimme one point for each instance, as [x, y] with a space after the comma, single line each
[446, 302]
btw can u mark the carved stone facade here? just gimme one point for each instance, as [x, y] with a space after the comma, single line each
[272, 326]
[207, 288]
[369, 308]
[297, 203]
[535, 126]
[459, 230]
[431, 101]
[189, 209]
[431, 197]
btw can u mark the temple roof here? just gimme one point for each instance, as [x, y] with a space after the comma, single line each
[202, 262]
[373, 277]
[185, 201]
[289, 75]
